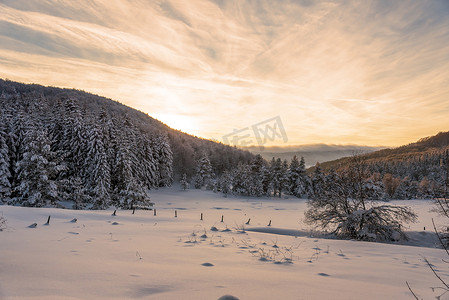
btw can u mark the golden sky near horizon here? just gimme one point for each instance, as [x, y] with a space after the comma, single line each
[334, 72]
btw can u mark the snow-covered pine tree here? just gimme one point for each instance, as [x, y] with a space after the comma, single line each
[74, 140]
[147, 172]
[184, 182]
[36, 170]
[298, 179]
[78, 193]
[278, 171]
[318, 181]
[18, 128]
[203, 171]
[164, 159]
[293, 176]
[98, 169]
[128, 191]
[225, 183]
[284, 176]
[266, 181]
[5, 175]
[256, 188]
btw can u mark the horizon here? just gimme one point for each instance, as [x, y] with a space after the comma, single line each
[332, 72]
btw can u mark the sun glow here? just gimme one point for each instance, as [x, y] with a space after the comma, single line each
[179, 122]
[334, 71]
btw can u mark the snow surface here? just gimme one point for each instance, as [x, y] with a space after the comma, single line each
[143, 256]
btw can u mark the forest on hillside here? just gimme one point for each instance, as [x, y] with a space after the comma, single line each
[61, 145]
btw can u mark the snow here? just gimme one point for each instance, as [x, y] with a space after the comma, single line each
[142, 256]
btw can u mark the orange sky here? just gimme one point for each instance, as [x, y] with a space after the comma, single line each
[337, 72]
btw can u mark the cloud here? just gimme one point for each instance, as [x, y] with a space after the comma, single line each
[366, 72]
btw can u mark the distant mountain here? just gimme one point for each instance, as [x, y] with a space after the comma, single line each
[312, 153]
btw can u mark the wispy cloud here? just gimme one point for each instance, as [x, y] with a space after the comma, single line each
[372, 72]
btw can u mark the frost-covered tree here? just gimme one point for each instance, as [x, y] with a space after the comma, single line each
[344, 208]
[99, 170]
[203, 171]
[184, 182]
[256, 173]
[225, 183]
[242, 180]
[5, 175]
[318, 181]
[128, 191]
[298, 181]
[78, 193]
[164, 158]
[148, 167]
[278, 173]
[36, 171]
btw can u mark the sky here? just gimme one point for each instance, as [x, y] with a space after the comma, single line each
[334, 72]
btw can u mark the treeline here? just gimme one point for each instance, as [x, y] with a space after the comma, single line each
[419, 176]
[62, 145]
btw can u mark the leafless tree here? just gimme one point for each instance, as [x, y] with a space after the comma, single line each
[347, 209]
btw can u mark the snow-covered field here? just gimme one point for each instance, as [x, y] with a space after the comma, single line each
[143, 256]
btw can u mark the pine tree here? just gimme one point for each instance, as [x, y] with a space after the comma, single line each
[98, 169]
[184, 182]
[164, 158]
[36, 171]
[74, 140]
[257, 165]
[203, 171]
[225, 183]
[147, 170]
[318, 181]
[5, 175]
[79, 194]
[278, 171]
[128, 192]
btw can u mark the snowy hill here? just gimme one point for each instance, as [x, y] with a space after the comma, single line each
[60, 145]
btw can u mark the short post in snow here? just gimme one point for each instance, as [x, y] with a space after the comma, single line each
[222, 218]
[247, 223]
[269, 224]
[201, 218]
[114, 213]
[176, 213]
[154, 212]
[134, 210]
[48, 221]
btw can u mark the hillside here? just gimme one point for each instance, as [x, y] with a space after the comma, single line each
[312, 153]
[433, 145]
[89, 147]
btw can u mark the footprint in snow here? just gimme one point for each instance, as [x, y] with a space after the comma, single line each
[228, 297]
[324, 274]
[207, 265]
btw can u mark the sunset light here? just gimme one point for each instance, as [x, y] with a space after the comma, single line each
[337, 72]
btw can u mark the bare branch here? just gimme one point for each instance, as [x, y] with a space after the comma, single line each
[436, 274]
[411, 291]
[439, 238]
